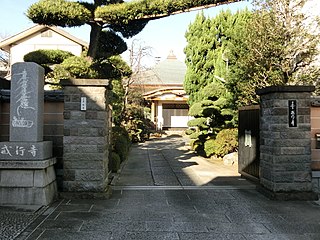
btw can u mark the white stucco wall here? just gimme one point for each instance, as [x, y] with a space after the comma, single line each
[36, 42]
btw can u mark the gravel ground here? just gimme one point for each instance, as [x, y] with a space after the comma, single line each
[14, 220]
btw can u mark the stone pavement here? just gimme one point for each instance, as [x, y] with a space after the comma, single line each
[166, 192]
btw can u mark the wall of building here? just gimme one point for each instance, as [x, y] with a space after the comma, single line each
[47, 41]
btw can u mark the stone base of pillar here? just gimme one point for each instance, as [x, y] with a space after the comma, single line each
[288, 196]
[27, 182]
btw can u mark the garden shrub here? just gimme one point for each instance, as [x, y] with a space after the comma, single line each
[197, 146]
[121, 146]
[120, 142]
[114, 162]
[225, 142]
[190, 131]
[47, 56]
[198, 122]
[210, 147]
[138, 126]
[78, 67]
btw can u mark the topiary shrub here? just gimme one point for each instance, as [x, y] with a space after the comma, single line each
[225, 142]
[78, 67]
[115, 162]
[47, 56]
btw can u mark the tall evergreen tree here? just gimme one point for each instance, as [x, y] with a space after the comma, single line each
[210, 52]
[209, 56]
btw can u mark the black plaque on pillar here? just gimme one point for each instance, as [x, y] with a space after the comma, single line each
[292, 104]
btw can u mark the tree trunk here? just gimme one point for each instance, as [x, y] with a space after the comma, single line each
[94, 40]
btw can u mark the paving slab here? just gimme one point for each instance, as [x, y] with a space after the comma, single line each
[226, 209]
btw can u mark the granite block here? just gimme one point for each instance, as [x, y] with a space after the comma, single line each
[25, 150]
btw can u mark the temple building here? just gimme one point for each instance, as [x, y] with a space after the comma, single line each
[163, 87]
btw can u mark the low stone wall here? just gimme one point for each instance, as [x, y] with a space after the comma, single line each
[53, 124]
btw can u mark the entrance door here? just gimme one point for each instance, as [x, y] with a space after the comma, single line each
[175, 115]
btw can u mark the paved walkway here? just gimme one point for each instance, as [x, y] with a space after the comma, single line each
[165, 192]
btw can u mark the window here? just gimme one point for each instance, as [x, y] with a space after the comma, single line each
[47, 33]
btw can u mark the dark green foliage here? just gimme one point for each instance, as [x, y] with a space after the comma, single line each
[59, 13]
[120, 142]
[110, 44]
[210, 54]
[209, 58]
[197, 146]
[137, 125]
[77, 67]
[131, 29]
[46, 56]
[116, 98]
[276, 48]
[111, 68]
[127, 18]
[198, 122]
[114, 162]
[130, 11]
[225, 142]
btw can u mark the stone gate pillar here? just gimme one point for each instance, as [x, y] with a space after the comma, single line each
[285, 144]
[27, 175]
[87, 131]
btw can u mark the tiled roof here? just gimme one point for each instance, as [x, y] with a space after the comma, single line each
[168, 72]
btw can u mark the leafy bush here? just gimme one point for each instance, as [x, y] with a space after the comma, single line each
[139, 129]
[190, 131]
[197, 146]
[121, 146]
[225, 142]
[200, 122]
[120, 142]
[46, 56]
[114, 163]
[210, 147]
[137, 125]
[78, 67]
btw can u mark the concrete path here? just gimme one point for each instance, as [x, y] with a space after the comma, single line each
[168, 162]
[166, 192]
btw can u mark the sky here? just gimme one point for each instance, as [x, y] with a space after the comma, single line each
[162, 35]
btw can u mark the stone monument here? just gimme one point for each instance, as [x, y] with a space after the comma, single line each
[27, 175]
